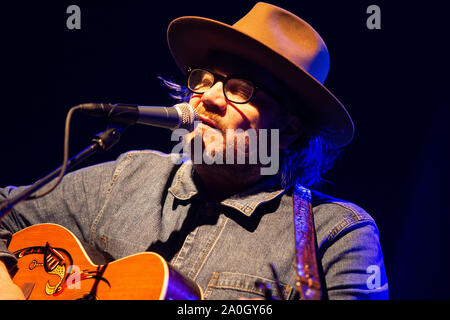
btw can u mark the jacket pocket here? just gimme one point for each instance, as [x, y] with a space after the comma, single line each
[233, 285]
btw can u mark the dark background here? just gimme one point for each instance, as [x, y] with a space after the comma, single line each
[393, 82]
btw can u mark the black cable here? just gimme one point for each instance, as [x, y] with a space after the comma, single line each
[65, 158]
[65, 155]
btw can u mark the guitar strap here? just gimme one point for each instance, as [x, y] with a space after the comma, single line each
[308, 281]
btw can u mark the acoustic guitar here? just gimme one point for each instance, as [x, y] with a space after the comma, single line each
[53, 264]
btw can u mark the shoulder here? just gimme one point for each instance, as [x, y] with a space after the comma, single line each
[150, 156]
[150, 160]
[129, 167]
[131, 160]
[334, 217]
[349, 250]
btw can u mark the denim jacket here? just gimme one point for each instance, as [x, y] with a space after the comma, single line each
[144, 201]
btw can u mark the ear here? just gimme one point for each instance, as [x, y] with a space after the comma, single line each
[290, 131]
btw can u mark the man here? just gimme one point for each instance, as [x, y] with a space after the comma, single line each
[221, 223]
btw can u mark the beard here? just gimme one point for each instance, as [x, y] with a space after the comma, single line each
[231, 155]
[236, 153]
[221, 146]
[226, 157]
[234, 158]
[222, 152]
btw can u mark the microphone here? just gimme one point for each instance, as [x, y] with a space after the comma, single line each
[181, 115]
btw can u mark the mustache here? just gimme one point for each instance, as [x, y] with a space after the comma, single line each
[214, 117]
[218, 120]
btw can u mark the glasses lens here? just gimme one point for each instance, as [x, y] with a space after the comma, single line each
[200, 81]
[239, 90]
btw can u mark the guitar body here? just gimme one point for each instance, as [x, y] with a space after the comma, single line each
[52, 264]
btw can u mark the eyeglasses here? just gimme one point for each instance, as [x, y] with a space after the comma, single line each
[234, 89]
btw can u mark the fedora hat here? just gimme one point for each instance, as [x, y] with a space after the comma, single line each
[277, 41]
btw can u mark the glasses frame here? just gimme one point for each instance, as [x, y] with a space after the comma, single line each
[224, 80]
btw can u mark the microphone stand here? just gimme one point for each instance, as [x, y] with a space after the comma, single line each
[101, 142]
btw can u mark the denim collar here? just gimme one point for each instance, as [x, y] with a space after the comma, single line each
[184, 188]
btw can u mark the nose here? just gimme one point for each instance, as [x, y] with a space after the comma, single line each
[214, 99]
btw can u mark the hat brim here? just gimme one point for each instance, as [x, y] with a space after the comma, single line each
[192, 39]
